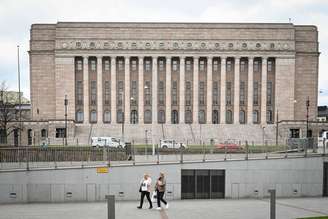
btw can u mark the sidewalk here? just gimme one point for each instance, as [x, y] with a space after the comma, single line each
[184, 209]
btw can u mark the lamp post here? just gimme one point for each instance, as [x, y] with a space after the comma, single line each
[123, 112]
[307, 124]
[66, 104]
[152, 127]
[277, 128]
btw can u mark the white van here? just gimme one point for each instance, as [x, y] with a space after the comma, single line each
[323, 137]
[171, 144]
[107, 142]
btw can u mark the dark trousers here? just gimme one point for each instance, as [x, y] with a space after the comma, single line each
[160, 198]
[147, 194]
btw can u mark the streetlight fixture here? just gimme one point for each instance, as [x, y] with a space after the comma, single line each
[66, 104]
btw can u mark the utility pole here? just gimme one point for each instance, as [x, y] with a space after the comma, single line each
[66, 103]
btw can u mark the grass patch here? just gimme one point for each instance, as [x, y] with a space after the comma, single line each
[320, 217]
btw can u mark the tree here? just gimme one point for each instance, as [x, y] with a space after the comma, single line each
[8, 114]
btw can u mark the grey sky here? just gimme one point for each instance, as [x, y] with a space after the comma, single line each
[16, 17]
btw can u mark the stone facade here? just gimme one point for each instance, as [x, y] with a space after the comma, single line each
[198, 78]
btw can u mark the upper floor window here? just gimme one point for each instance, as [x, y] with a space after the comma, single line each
[134, 93]
[107, 116]
[148, 117]
[269, 116]
[161, 116]
[134, 117]
[161, 65]
[229, 117]
[215, 65]
[148, 65]
[120, 93]
[270, 66]
[256, 66]
[120, 65]
[229, 95]
[188, 117]
[188, 65]
[175, 65]
[215, 93]
[93, 116]
[188, 93]
[215, 117]
[201, 93]
[161, 94]
[175, 93]
[175, 117]
[79, 93]
[106, 65]
[147, 93]
[256, 93]
[79, 65]
[93, 92]
[255, 116]
[93, 65]
[242, 93]
[229, 65]
[269, 93]
[134, 65]
[243, 66]
[79, 116]
[242, 117]
[201, 117]
[201, 65]
[107, 92]
[119, 116]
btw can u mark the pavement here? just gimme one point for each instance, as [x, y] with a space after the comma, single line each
[179, 209]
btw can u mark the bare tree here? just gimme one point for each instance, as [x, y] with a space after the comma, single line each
[8, 113]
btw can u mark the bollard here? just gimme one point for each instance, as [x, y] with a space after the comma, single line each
[111, 206]
[246, 144]
[181, 155]
[272, 203]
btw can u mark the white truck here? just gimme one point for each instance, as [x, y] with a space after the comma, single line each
[107, 142]
[171, 144]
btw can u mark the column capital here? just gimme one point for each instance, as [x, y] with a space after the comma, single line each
[237, 59]
[168, 59]
[223, 57]
[264, 57]
[182, 57]
[250, 58]
[195, 57]
[85, 57]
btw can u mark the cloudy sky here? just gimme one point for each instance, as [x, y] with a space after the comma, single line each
[16, 17]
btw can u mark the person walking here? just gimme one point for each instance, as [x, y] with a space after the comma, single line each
[160, 188]
[144, 189]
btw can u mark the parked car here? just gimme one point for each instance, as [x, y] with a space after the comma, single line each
[230, 146]
[171, 144]
[322, 137]
[107, 142]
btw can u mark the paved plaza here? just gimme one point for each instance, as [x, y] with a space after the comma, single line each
[182, 209]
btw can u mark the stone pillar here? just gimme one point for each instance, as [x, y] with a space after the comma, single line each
[236, 91]
[195, 89]
[209, 90]
[264, 90]
[113, 89]
[223, 91]
[126, 89]
[168, 90]
[141, 90]
[182, 91]
[99, 91]
[250, 91]
[154, 90]
[86, 90]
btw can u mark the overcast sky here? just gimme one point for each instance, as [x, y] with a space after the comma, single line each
[16, 17]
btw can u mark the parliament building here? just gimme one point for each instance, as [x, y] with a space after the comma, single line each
[190, 82]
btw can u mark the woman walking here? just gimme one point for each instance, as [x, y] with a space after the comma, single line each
[145, 190]
[160, 188]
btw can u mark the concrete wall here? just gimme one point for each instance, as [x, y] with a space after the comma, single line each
[290, 177]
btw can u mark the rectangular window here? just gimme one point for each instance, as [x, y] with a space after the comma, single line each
[79, 65]
[93, 65]
[229, 66]
[243, 67]
[93, 93]
[175, 65]
[270, 66]
[175, 93]
[215, 93]
[134, 65]
[161, 65]
[107, 92]
[106, 65]
[188, 93]
[201, 65]
[229, 97]
[201, 93]
[147, 65]
[134, 93]
[294, 133]
[269, 93]
[215, 65]
[256, 93]
[79, 93]
[256, 66]
[161, 94]
[120, 93]
[188, 65]
[60, 133]
[147, 93]
[120, 65]
[242, 93]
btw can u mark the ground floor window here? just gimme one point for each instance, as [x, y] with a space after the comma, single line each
[2, 136]
[60, 132]
[294, 133]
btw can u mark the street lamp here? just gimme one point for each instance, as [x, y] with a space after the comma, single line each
[66, 104]
[307, 124]
[152, 127]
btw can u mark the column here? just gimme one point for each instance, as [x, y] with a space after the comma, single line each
[264, 90]
[141, 90]
[195, 89]
[126, 89]
[86, 90]
[236, 91]
[209, 90]
[154, 90]
[223, 91]
[113, 89]
[182, 91]
[168, 90]
[250, 91]
[99, 91]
